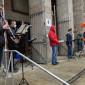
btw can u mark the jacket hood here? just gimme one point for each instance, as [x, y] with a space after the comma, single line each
[52, 28]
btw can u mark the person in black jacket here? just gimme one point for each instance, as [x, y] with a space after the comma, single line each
[11, 43]
[69, 43]
[2, 39]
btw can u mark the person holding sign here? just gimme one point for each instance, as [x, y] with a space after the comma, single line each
[53, 43]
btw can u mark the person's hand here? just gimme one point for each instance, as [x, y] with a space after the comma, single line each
[6, 26]
[69, 44]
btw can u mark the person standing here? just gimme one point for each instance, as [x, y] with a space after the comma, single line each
[11, 43]
[2, 39]
[53, 43]
[69, 43]
[84, 37]
[79, 41]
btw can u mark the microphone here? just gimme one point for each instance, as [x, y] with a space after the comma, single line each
[30, 25]
[9, 29]
[32, 40]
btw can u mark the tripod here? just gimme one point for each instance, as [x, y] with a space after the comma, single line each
[31, 51]
[23, 80]
[30, 56]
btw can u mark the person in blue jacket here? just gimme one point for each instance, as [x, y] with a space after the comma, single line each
[69, 43]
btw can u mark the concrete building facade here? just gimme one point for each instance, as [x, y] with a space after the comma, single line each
[66, 14]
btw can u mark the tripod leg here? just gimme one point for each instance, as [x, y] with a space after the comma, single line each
[23, 81]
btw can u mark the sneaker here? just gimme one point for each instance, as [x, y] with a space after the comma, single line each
[54, 64]
[70, 58]
[57, 62]
[16, 68]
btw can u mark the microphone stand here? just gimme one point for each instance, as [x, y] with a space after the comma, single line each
[31, 51]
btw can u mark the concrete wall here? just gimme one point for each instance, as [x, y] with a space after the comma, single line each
[48, 15]
[10, 14]
[78, 13]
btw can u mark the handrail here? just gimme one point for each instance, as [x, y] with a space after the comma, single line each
[56, 77]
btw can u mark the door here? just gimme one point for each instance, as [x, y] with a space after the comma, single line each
[38, 32]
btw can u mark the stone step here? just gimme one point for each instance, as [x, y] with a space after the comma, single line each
[66, 70]
[72, 80]
[80, 80]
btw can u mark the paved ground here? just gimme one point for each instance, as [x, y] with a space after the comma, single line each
[65, 70]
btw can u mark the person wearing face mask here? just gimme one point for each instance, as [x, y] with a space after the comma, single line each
[11, 43]
[53, 43]
[69, 43]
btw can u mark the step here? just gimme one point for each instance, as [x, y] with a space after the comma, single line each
[72, 80]
[66, 70]
[80, 80]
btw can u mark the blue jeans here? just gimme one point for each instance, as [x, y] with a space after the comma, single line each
[69, 51]
[54, 53]
[80, 46]
[1, 54]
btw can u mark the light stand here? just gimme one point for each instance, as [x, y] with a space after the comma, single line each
[31, 51]
[23, 80]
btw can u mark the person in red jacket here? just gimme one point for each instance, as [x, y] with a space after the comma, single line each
[53, 43]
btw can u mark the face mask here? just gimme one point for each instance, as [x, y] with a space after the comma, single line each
[55, 30]
[14, 25]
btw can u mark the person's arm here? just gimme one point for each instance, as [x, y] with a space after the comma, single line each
[77, 37]
[1, 28]
[9, 33]
[4, 27]
[53, 39]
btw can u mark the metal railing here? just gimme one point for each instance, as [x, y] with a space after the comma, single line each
[50, 73]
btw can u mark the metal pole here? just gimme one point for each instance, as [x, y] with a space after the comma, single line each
[5, 70]
[43, 69]
[54, 15]
[12, 68]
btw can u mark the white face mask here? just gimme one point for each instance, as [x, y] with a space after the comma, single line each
[14, 25]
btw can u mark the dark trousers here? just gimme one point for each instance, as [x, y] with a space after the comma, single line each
[14, 54]
[69, 51]
[80, 46]
[1, 55]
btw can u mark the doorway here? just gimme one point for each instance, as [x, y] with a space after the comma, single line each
[54, 14]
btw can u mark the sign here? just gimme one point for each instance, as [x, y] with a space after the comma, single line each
[48, 23]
